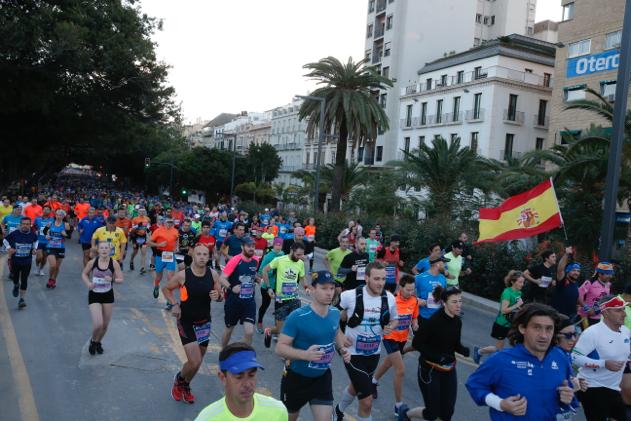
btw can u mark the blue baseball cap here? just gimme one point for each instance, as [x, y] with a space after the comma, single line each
[322, 277]
[247, 240]
[572, 266]
[239, 362]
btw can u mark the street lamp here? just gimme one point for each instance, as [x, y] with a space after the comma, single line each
[148, 163]
[617, 138]
[320, 141]
[234, 158]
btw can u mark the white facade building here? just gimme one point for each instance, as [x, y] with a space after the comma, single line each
[403, 35]
[495, 98]
[288, 137]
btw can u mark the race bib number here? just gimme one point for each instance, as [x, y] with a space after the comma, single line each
[288, 289]
[545, 282]
[223, 232]
[202, 332]
[55, 242]
[324, 362]
[310, 238]
[247, 291]
[101, 285]
[179, 257]
[564, 416]
[391, 274]
[41, 230]
[112, 248]
[361, 273]
[258, 252]
[404, 321]
[167, 256]
[141, 240]
[367, 345]
[22, 250]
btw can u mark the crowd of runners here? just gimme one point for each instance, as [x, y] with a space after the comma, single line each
[569, 338]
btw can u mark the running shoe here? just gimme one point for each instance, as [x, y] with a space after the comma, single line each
[176, 389]
[152, 266]
[476, 354]
[142, 271]
[259, 328]
[403, 413]
[131, 266]
[122, 266]
[92, 347]
[156, 291]
[21, 303]
[99, 348]
[186, 393]
[267, 340]
[168, 307]
[337, 414]
[375, 393]
[16, 290]
[53, 283]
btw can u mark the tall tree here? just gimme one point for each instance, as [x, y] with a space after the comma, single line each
[263, 161]
[352, 109]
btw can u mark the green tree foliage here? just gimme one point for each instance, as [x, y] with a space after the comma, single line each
[263, 162]
[352, 112]
[377, 195]
[79, 81]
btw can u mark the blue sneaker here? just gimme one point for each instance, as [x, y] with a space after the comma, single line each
[476, 354]
[168, 307]
[156, 291]
[403, 413]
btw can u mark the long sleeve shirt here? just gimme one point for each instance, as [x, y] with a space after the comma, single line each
[438, 339]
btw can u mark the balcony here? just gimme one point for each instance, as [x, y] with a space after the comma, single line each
[379, 31]
[478, 76]
[376, 57]
[451, 118]
[514, 117]
[381, 6]
[474, 116]
[505, 155]
[411, 123]
[541, 122]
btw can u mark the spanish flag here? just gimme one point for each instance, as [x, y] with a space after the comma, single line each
[524, 215]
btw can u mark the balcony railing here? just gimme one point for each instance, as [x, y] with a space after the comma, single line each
[474, 115]
[376, 57]
[541, 122]
[379, 31]
[514, 117]
[479, 76]
[381, 5]
[505, 155]
[407, 124]
[451, 118]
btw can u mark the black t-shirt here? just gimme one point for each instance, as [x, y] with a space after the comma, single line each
[350, 260]
[186, 240]
[565, 297]
[309, 247]
[535, 292]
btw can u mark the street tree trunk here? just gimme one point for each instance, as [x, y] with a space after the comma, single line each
[338, 175]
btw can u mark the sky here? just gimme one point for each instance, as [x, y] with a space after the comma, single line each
[247, 55]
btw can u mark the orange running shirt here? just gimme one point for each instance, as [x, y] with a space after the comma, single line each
[407, 310]
[170, 235]
[310, 232]
[124, 224]
[140, 225]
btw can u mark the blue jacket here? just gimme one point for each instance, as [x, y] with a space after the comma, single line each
[515, 371]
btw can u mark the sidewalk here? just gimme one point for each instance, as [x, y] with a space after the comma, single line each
[467, 298]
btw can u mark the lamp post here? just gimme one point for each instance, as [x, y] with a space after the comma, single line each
[172, 166]
[322, 101]
[234, 158]
[617, 138]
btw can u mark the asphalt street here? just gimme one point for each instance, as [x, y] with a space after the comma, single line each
[47, 373]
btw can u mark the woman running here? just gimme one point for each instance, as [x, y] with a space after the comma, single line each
[56, 234]
[104, 271]
[310, 233]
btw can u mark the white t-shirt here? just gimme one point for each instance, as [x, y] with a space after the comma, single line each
[366, 337]
[597, 344]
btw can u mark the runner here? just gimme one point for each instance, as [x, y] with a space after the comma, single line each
[353, 266]
[309, 339]
[56, 234]
[260, 243]
[21, 245]
[266, 298]
[332, 261]
[86, 227]
[373, 313]
[455, 264]
[394, 342]
[310, 233]
[565, 295]
[510, 304]
[601, 354]
[40, 224]
[124, 223]
[540, 277]
[185, 243]
[435, 250]
[269, 235]
[426, 283]
[206, 238]
[232, 245]
[104, 270]
[138, 238]
[390, 256]
[290, 270]
[164, 239]
[114, 235]
[593, 290]
[221, 229]
[372, 245]
[237, 371]
[198, 285]
[438, 341]
[33, 210]
[238, 278]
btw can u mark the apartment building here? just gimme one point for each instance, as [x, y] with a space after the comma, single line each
[403, 35]
[288, 136]
[588, 57]
[495, 98]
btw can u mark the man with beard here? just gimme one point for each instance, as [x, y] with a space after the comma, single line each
[289, 270]
[354, 266]
[565, 295]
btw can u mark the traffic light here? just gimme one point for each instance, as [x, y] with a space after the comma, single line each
[147, 162]
[183, 191]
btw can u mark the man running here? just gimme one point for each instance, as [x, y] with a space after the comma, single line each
[41, 223]
[164, 239]
[56, 235]
[266, 298]
[333, 260]
[423, 265]
[239, 279]
[372, 245]
[207, 239]
[309, 339]
[124, 223]
[185, 243]
[21, 245]
[290, 270]
[221, 229]
[138, 238]
[373, 313]
[540, 277]
[391, 257]
[198, 285]
[237, 371]
[565, 295]
[232, 245]
[33, 210]
[114, 235]
[86, 228]
[354, 266]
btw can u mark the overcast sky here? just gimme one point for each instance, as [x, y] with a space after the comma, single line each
[247, 55]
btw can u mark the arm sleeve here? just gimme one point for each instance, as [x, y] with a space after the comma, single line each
[481, 383]
[584, 347]
[231, 265]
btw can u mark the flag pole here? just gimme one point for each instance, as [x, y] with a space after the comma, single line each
[559, 208]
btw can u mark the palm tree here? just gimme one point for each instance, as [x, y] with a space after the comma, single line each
[516, 175]
[353, 175]
[352, 110]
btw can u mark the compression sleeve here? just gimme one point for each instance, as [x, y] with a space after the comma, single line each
[585, 346]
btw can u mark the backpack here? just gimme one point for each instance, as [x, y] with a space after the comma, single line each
[358, 314]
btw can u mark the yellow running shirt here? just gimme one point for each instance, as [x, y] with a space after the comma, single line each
[265, 409]
[116, 238]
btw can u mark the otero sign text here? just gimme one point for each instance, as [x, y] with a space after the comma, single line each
[595, 63]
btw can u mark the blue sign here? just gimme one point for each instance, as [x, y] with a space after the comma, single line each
[595, 63]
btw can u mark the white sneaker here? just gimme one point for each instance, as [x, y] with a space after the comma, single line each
[41, 272]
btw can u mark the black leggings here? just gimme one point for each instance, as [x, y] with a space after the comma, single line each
[20, 275]
[439, 390]
[266, 300]
[602, 403]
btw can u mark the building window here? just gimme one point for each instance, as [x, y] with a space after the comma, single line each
[389, 22]
[477, 101]
[437, 137]
[439, 111]
[528, 70]
[460, 77]
[539, 143]
[382, 100]
[512, 107]
[476, 42]
[443, 80]
[541, 115]
[547, 77]
[371, 6]
[379, 153]
[568, 12]
[453, 137]
[531, 30]
[612, 40]
[421, 141]
[608, 90]
[423, 113]
[369, 31]
[360, 154]
[579, 48]
[428, 84]
[493, 20]
[408, 116]
[478, 18]
[477, 72]
[385, 72]
[406, 144]
[474, 141]
[456, 109]
[386, 51]
[486, 20]
[367, 56]
[508, 146]
[308, 156]
[574, 93]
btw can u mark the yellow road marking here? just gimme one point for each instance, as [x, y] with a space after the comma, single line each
[26, 400]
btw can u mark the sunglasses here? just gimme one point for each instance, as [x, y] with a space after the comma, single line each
[569, 335]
